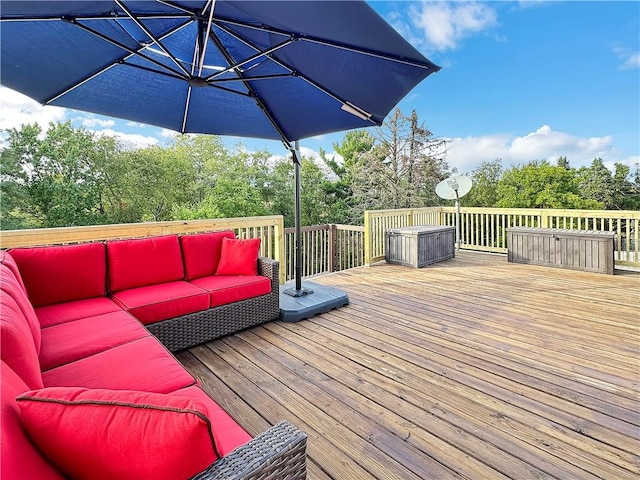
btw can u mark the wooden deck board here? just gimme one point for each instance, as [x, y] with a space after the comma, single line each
[470, 368]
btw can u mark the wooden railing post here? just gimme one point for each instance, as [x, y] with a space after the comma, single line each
[368, 238]
[333, 250]
[544, 219]
[279, 248]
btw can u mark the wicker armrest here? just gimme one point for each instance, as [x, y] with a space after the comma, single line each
[277, 454]
[269, 268]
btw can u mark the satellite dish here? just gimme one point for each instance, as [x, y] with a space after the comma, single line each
[453, 188]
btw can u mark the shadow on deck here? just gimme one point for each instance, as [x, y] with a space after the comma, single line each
[469, 368]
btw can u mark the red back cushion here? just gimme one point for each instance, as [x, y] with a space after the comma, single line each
[144, 261]
[201, 253]
[62, 273]
[7, 260]
[17, 347]
[10, 286]
[20, 459]
[125, 434]
[239, 257]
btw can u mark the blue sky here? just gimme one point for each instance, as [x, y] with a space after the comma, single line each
[519, 81]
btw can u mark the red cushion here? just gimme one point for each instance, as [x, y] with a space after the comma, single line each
[227, 434]
[10, 286]
[7, 260]
[160, 302]
[142, 364]
[72, 341]
[20, 459]
[125, 434]
[201, 252]
[62, 273]
[239, 257]
[227, 289]
[144, 261]
[17, 347]
[69, 311]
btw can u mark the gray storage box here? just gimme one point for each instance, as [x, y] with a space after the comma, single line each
[555, 247]
[419, 246]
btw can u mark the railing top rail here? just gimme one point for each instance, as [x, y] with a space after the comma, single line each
[50, 236]
[401, 211]
[311, 228]
[351, 228]
[550, 212]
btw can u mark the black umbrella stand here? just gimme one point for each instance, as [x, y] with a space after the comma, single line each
[298, 301]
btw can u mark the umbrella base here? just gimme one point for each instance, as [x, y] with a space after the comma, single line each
[317, 299]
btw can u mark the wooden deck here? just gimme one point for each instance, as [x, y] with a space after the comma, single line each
[470, 368]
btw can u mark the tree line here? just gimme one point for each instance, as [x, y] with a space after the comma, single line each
[68, 176]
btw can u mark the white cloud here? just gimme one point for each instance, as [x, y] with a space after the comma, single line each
[18, 109]
[444, 25]
[91, 122]
[630, 59]
[166, 133]
[465, 154]
[129, 141]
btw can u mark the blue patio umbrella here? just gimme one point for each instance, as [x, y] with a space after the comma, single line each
[284, 70]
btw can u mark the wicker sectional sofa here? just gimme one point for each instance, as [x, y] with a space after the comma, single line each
[87, 390]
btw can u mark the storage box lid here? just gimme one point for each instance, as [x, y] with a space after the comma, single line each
[420, 229]
[561, 231]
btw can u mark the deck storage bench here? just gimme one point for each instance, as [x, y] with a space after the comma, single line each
[555, 247]
[420, 245]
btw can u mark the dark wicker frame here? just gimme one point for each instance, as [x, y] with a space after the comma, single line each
[277, 454]
[200, 327]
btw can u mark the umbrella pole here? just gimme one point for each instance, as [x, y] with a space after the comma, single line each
[298, 291]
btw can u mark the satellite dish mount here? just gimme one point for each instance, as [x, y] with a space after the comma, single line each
[454, 188]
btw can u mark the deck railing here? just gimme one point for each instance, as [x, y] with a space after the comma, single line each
[485, 229]
[325, 248]
[330, 248]
[269, 228]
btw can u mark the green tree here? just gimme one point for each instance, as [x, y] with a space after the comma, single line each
[55, 179]
[403, 167]
[484, 192]
[541, 185]
[339, 192]
[596, 183]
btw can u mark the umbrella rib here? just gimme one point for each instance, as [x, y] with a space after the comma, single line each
[360, 50]
[252, 93]
[212, 4]
[131, 50]
[151, 35]
[118, 61]
[251, 79]
[298, 74]
[109, 16]
[250, 59]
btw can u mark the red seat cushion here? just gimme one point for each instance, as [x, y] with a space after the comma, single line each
[125, 434]
[62, 273]
[19, 458]
[69, 311]
[144, 261]
[142, 364]
[17, 347]
[227, 289]
[71, 341]
[160, 302]
[239, 257]
[227, 434]
[201, 252]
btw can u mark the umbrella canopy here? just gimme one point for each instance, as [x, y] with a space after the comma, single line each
[281, 70]
[266, 69]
